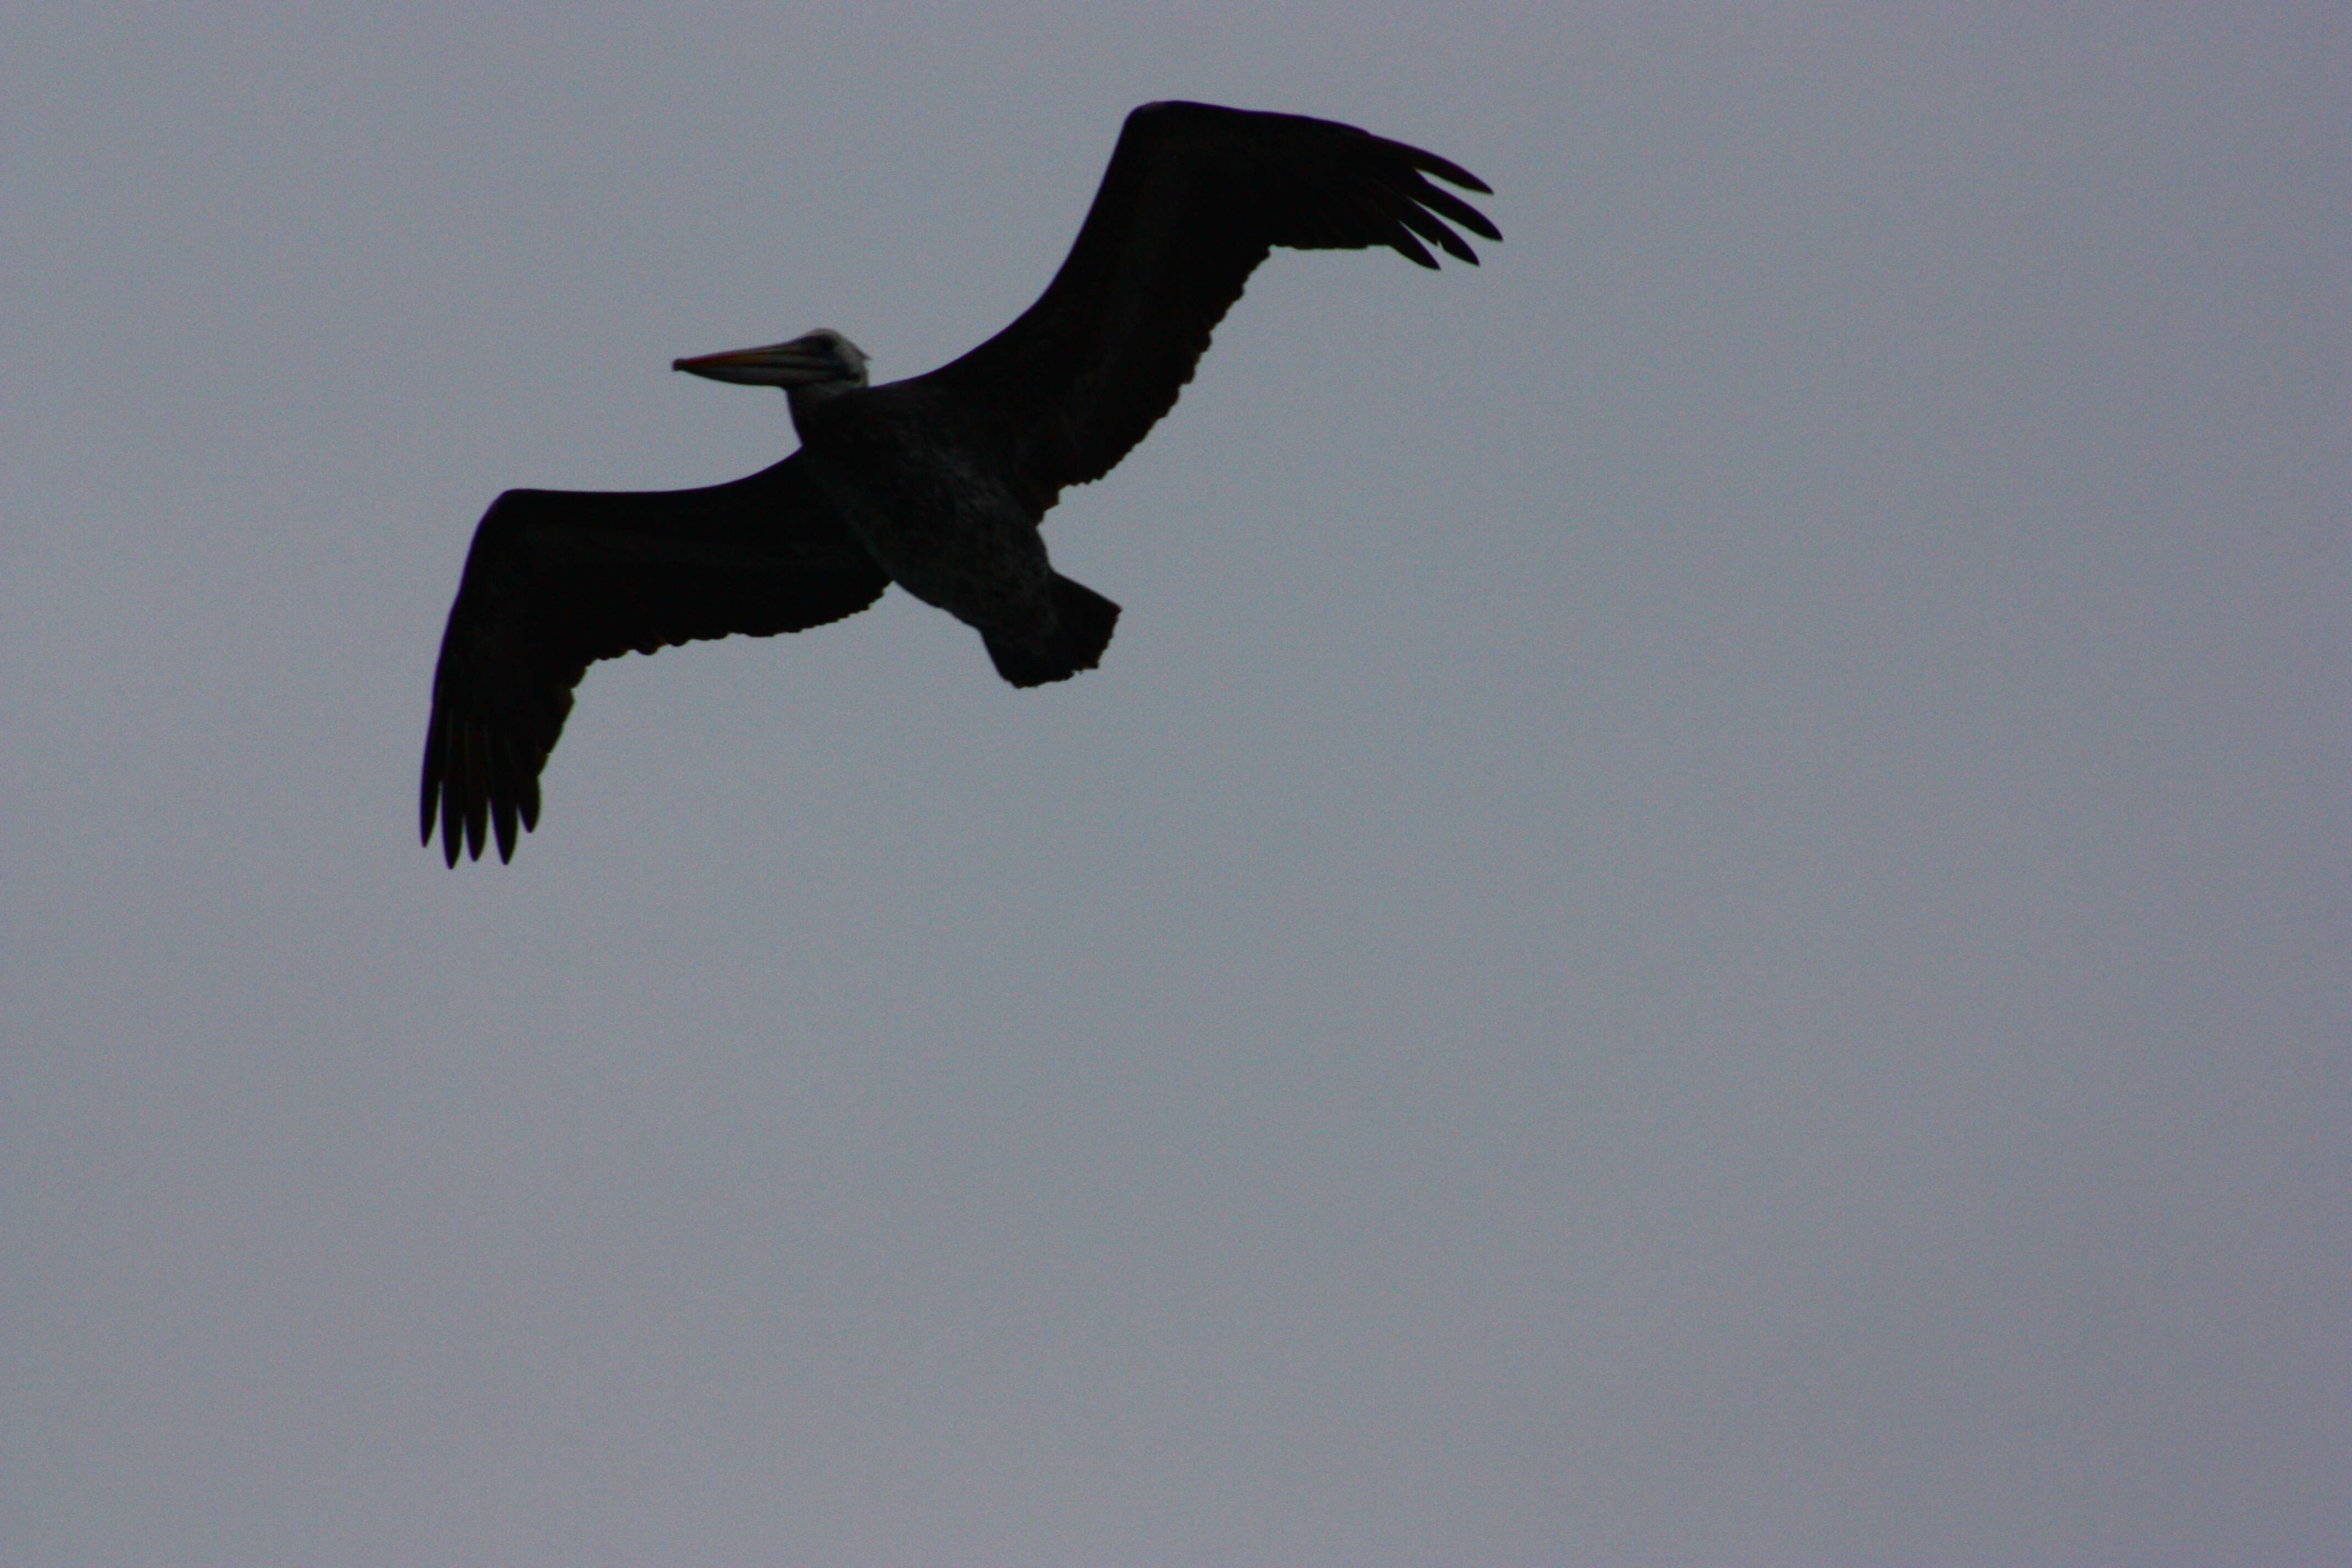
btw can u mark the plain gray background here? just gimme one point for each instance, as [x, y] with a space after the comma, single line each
[1694, 919]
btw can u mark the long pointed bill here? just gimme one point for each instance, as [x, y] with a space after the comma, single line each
[794, 363]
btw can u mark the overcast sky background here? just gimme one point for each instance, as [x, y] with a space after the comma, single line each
[1696, 919]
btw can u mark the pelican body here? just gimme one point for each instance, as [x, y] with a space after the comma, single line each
[937, 483]
[919, 493]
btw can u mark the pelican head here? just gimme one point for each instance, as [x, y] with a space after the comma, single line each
[820, 361]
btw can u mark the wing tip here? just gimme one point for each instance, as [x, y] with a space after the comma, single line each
[1452, 174]
[479, 791]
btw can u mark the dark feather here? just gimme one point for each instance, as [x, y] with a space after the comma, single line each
[558, 580]
[1194, 197]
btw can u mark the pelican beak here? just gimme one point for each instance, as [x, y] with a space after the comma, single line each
[795, 363]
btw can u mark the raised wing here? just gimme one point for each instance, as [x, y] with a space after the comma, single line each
[1194, 197]
[557, 579]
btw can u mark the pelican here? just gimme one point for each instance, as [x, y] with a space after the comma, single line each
[936, 483]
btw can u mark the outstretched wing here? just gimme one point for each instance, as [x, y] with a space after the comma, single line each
[1194, 197]
[557, 579]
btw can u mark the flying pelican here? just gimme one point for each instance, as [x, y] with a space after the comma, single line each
[936, 483]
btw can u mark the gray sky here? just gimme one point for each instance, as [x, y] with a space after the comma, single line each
[1695, 919]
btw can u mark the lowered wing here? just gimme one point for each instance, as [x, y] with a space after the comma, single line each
[557, 579]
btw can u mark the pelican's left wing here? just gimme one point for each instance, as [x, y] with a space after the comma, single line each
[557, 579]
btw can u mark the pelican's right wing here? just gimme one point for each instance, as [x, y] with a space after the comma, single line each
[1194, 197]
[557, 579]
